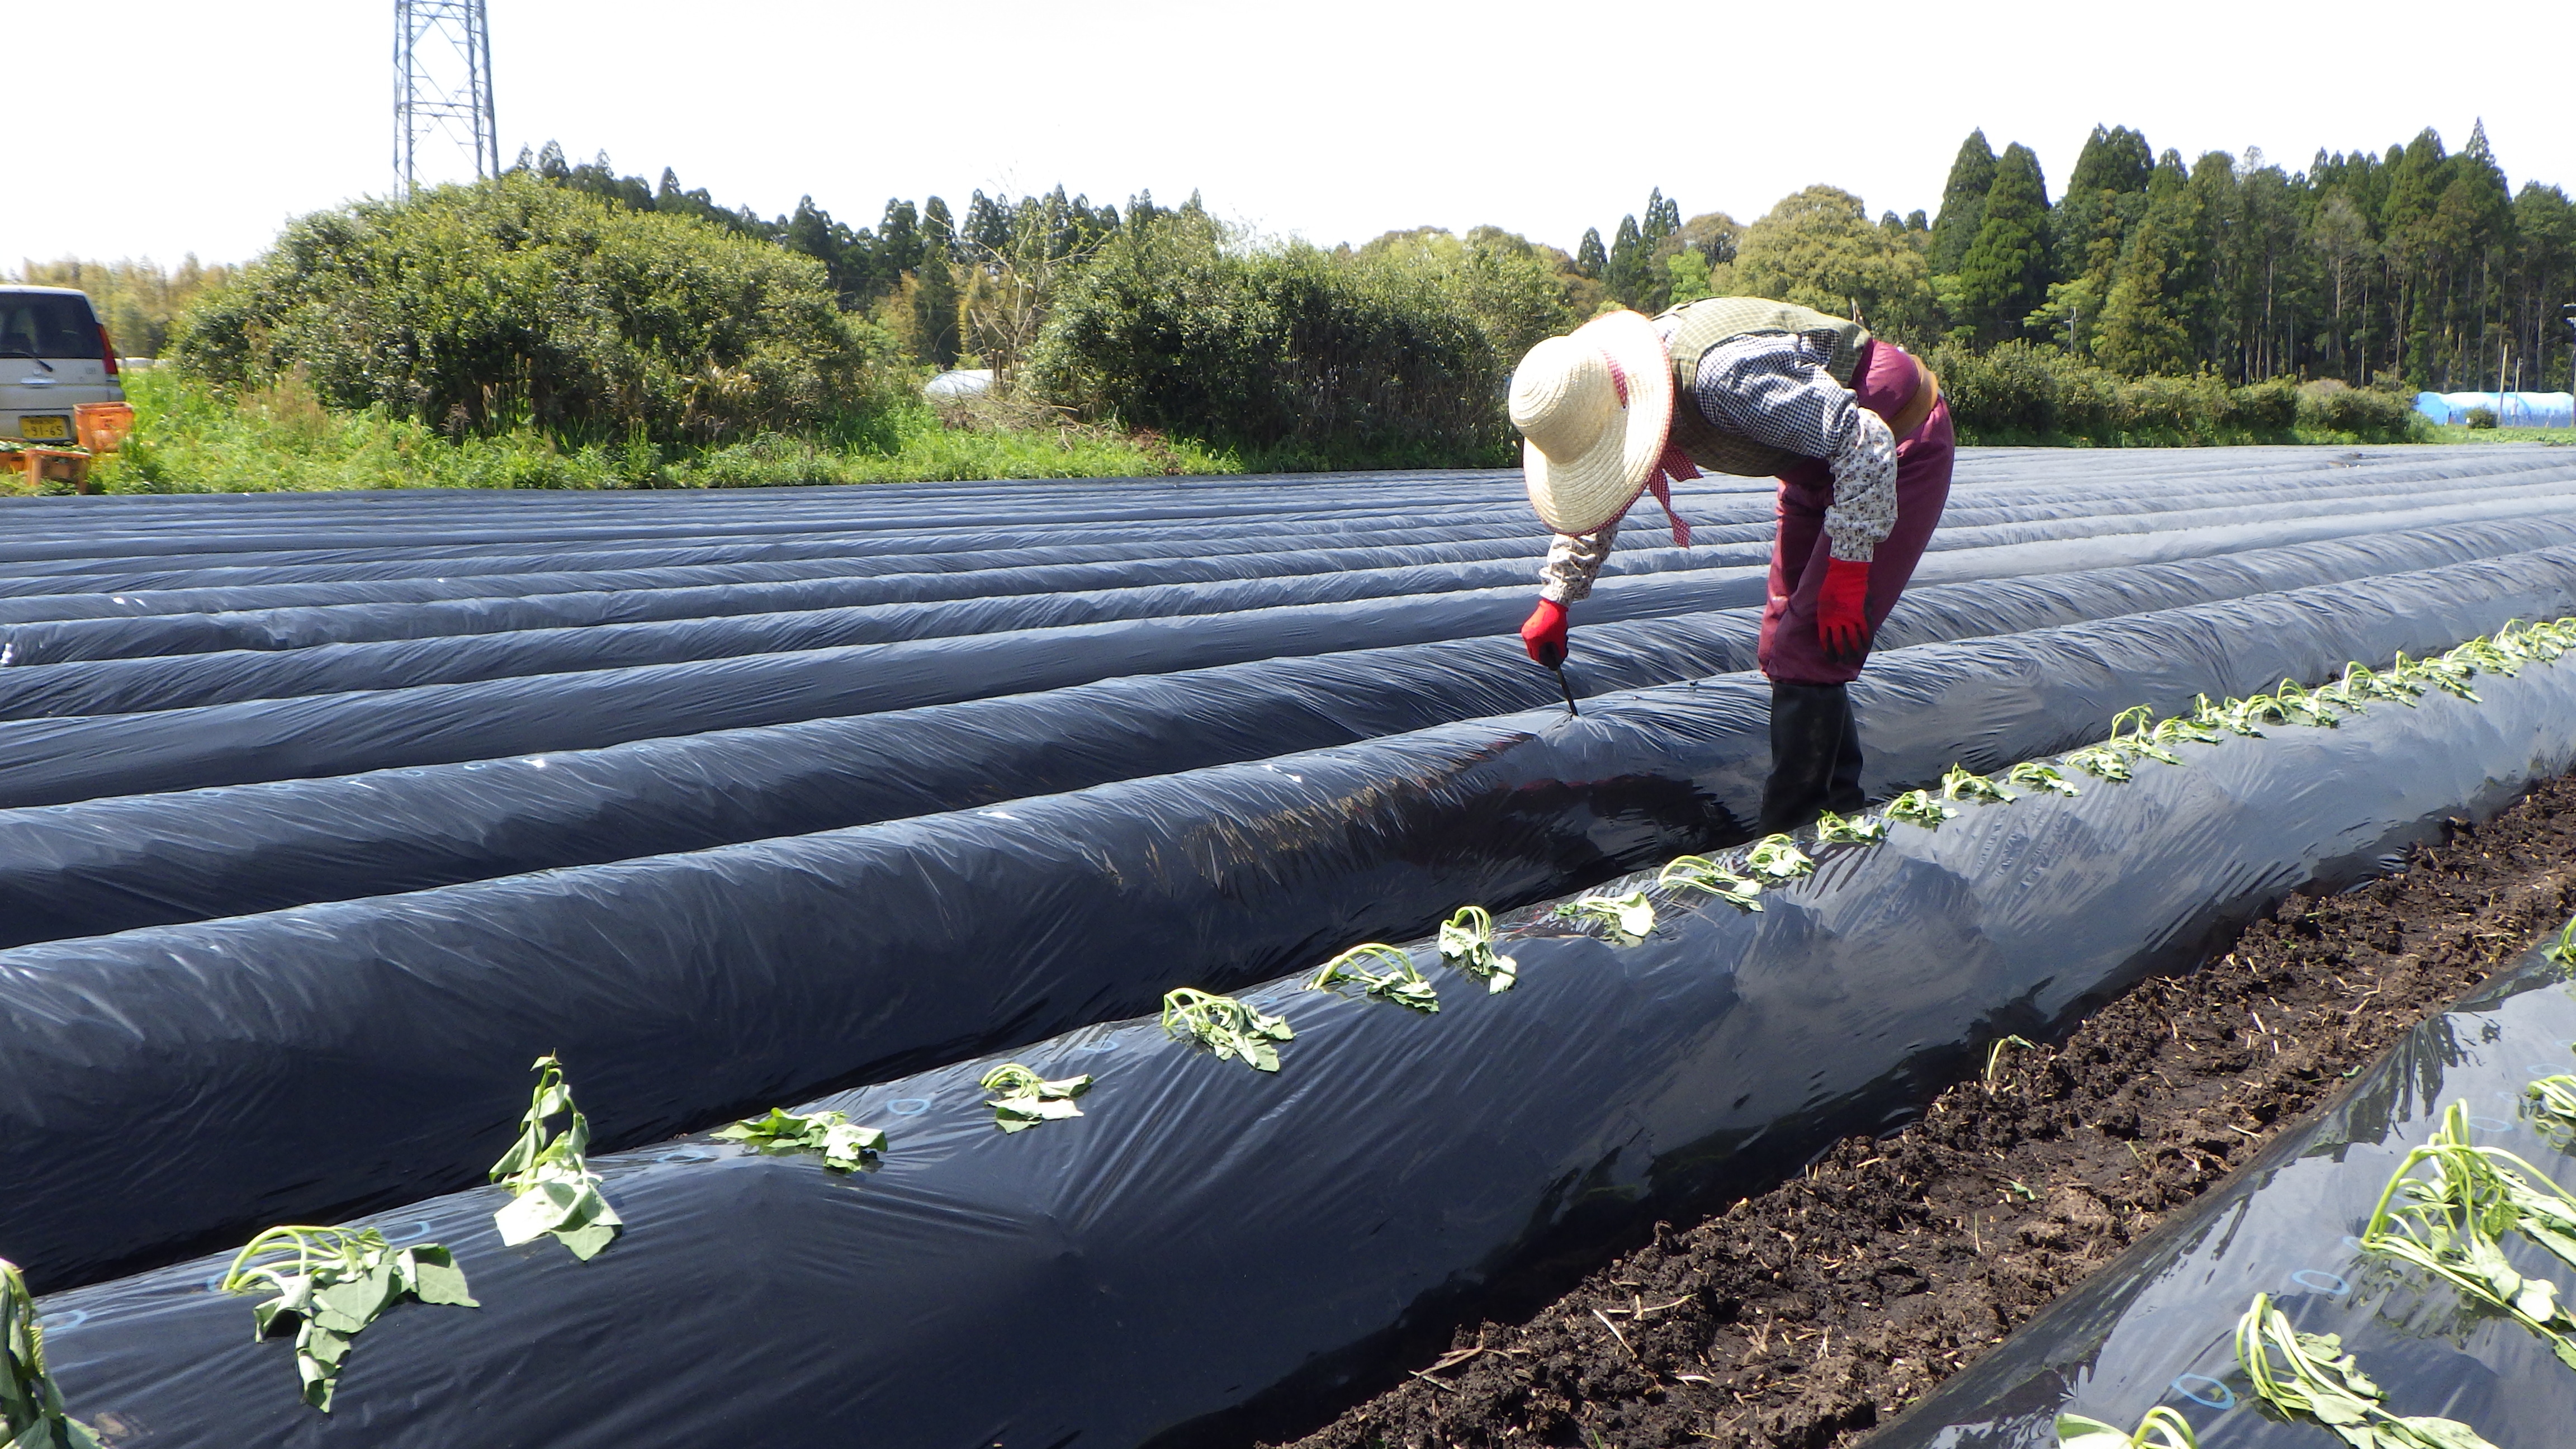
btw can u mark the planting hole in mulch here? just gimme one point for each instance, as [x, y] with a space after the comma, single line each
[1811, 1314]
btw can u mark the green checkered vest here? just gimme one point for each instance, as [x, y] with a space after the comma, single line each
[1705, 324]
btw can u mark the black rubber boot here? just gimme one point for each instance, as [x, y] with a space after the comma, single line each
[1815, 755]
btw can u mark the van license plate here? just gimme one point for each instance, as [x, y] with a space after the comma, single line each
[54, 429]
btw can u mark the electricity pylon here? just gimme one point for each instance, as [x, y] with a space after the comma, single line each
[442, 85]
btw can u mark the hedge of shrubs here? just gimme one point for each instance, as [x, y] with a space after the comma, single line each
[1291, 355]
[511, 303]
[2020, 393]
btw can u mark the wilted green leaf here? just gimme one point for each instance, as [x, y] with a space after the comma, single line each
[548, 1173]
[1467, 944]
[2163, 1428]
[1400, 981]
[1832, 829]
[2030, 774]
[1631, 916]
[1699, 873]
[2309, 1376]
[1225, 1026]
[845, 1147]
[1778, 858]
[334, 1282]
[2101, 764]
[435, 1278]
[1917, 807]
[1960, 783]
[31, 1406]
[1023, 1099]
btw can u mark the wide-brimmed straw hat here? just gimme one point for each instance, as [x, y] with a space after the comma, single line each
[1594, 409]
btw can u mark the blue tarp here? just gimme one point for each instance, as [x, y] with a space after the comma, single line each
[2512, 409]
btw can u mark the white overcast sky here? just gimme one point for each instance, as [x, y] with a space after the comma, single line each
[207, 126]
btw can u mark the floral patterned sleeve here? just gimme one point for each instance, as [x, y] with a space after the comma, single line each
[1574, 561]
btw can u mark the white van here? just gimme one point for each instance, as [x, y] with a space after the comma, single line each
[54, 356]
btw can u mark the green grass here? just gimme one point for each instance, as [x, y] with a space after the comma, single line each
[2462, 433]
[190, 439]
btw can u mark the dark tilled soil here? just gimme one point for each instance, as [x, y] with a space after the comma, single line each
[1809, 1315]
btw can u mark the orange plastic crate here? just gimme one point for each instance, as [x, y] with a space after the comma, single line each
[102, 426]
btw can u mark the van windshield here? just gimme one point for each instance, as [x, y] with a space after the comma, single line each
[42, 324]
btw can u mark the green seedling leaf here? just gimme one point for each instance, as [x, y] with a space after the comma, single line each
[1961, 783]
[2485, 656]
[1995, 1055]
[431, 1273]
[2449, 675]
[2539, 643]
[2361, 684]
[1917, 807]
[2564, 952]
[2162, 1428]
[1226, 1027]
[2553, 1101]
[2292, 704]
[1699, 873]
[1776, 858]
[1467, 944]
[1832, 829]
[548, 1174]
[2308, 1376]
[1630, 917]
[2135, 734]
[332, 1283]
[1400, 982]
[2447, 1208]
[1022, 1099]
[844, 1145]
[2032, 775]
[2102, 763]
[31, 1407]
[2236, 716]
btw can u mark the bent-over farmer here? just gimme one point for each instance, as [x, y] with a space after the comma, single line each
[1853, 427]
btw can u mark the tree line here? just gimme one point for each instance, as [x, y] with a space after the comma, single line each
[2416, 265]
[2224, 300]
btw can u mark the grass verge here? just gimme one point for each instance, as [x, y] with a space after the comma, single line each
[188, 438]
[2462, 433]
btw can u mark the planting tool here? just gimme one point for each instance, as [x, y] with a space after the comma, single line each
[1567, 687]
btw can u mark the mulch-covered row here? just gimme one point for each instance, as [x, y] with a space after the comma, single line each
[1810, 1314]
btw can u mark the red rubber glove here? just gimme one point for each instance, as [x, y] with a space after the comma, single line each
[1544, 634]
[1842, 624]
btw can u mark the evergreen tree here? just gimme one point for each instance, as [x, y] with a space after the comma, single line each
[1963, 204]
[812, 231]
[2142, 329]
[2115, 163]
[1590, 260]
[937, 230]
[2544, 276]
[1626, 273]
[987, 225]
[934, 307]
[899, 237]
[2003, 277]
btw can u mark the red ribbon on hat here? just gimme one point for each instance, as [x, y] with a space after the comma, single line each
[1669, 469]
